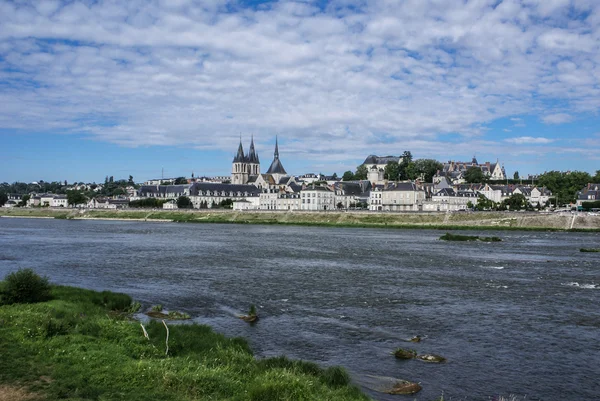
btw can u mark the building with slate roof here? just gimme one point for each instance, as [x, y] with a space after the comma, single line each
[447, 199]
[455, 171]
[245, 166]
[207, 194]
[590, 193]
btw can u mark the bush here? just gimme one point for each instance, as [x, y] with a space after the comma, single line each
[25, 286]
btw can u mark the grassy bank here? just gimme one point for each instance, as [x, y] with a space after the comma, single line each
[82, 345]
[451, 221]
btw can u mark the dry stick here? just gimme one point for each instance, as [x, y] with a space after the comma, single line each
[145, 332]
[167, 340]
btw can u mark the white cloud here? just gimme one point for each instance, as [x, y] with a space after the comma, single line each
[522, 140]
[558, 118]
[162, 72]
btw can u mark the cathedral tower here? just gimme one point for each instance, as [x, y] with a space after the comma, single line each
[239, 169]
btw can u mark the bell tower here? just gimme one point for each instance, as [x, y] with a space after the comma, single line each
[239, 168]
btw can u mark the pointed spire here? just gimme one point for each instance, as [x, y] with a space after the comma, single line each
[239, 158]
[276, 148]
[252, 156]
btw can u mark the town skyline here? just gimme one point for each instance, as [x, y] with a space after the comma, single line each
[91, 89]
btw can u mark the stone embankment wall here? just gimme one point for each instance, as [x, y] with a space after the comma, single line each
[501, 220]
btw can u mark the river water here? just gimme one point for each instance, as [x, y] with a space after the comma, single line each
[517, 317]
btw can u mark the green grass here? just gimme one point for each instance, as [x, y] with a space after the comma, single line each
[589, 249]
[458, 237]
[82, 345]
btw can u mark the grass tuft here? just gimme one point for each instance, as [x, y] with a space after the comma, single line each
[89, 351]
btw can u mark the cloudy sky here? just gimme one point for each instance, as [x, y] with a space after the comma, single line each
[110, 87]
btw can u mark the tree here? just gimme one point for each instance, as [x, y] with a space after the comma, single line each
[483, 203]
[403, 167]
[391, 171]
[564, 185]
[226, 203]
[3, 198]
[181, 181]
[23, 201]
[596, 178]
[348, 176]
[183, 202]
[516, 202]
[474, 175]
[340, 205]
[428, 168]
[411, 172]
[130, 181]
[334, 176]
[75, 198]
[516, 175]
[361, 172]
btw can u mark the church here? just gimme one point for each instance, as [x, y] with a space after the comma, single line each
[245, 168]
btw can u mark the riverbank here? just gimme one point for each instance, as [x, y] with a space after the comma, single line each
[447, 221]
[84, 344]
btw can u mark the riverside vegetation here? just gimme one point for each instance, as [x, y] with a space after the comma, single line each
[458, 237]
[79, 344]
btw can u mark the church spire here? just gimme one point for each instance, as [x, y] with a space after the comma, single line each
[276, 148]
[239, 158]
[252, 156]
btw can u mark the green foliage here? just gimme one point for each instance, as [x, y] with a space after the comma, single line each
[589, 250]
[3, 198]
[361, 172]
[564, 185]
[458, 237]
[90, 354]
[114, 301]
[516, 175]
[183, 202]
[483, 203]
[24, 200]
[348, 176]
[427, 168]
[76, 198]
[475, 175]
[516, 202]
[252, 311]
[590, 205]
[402, 353]
[391, 171]
[176, 315]
[336, 376]
[157, 308]
[147, 203]
[226, 203]
[24, 286]
[406, 167]
[180, 181]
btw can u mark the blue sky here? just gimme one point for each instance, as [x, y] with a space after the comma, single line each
[96, 88]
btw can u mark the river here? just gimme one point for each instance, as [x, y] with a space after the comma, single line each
[519, 317]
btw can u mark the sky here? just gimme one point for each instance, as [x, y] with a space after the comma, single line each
[98, 88]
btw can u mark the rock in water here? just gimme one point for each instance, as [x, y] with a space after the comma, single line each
[389, 385]
[405, 387]
[402, 353]
[433, 358]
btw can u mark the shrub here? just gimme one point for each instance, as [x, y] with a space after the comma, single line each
[25, 286]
